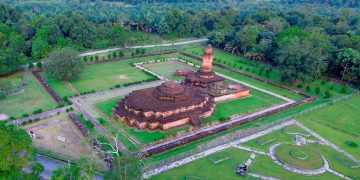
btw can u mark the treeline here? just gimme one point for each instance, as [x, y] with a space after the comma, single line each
[303, 43]
[34, 37]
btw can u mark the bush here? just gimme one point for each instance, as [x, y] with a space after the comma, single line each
[25, 115]
[317, 90]
[39, 65]
[351, 143]
[109, 56]
[85, 59]
[30, 121]
[12, 118]
[332, 87]
[344, 89]
[299, 86]
[31, 65]
[121, 54]
[323, 82]
[38, 111]
[96, 58]
[117, 86]
[327, 94]
[308, 88]
[91, 59]
[114, 55]
[23, 123]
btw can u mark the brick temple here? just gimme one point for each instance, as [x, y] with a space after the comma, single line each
[172, 104]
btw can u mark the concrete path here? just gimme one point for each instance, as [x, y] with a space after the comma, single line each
[205, 153]
[261, 176]
[144, 46]
[39, 116]
[328, 143]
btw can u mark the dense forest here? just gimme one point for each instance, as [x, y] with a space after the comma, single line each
[305, 39]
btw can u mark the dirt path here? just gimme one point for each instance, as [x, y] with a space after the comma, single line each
[71, 87]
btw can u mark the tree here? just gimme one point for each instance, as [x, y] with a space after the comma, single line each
[299, 60]
[16, 151]
[349, 60]
[64, 64]
[247, 38]
[127, 167]
[88, 165]
[67, 172]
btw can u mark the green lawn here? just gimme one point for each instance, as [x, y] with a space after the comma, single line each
[338, 123]
[34, 97]
[167, 68]
[264, 165]
[107, 107]
[204, 168]
[291, 154]
[265, 142]
[257, 100]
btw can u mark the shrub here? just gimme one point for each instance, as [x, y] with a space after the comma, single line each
[323, 82]
[96, 58]
[351, 143]
[85, 59]
[114, 55]
[38, 111]
[60, 105]
[31, 65]
[299, 86]
[109, 56]
[267, 73]
[332, 87]
[91, 59]
[30, 121]
[117, 86]
[308, 88]
[327, 94]
[344, 89]
[25, 115]
[317, 90]
[23, 123]
[12, 118]
[39, 65]
[121, 54]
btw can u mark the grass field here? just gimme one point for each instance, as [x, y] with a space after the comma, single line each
[339, 123]
[103, 76]
[107, 107]
[291, 154]
[207, 169]
[167, 68]
[34, 97]
[257, 100]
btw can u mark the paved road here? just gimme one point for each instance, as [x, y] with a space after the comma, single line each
[144, 46]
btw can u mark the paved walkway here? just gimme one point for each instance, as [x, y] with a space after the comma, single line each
[144, 46]
[205, 153]
[39, 116]
[327, 143]
[261, 176]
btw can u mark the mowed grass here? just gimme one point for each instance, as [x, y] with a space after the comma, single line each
[34, 97]
[338, 123]
[258, 100]
[290, 154]
[264, 165]
[107, 107]
[204, 168]
[167, 68]
[103, 76]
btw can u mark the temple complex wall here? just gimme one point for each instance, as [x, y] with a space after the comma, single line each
[236, 95]
[175, 123]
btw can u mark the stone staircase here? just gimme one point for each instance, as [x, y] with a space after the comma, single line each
[195, 121]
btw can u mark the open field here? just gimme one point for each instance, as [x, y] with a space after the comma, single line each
[339, 123]
[167, 68]
[13, 79]
[104, 76]
[49, 130]
[34, 97]
[107, 107]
